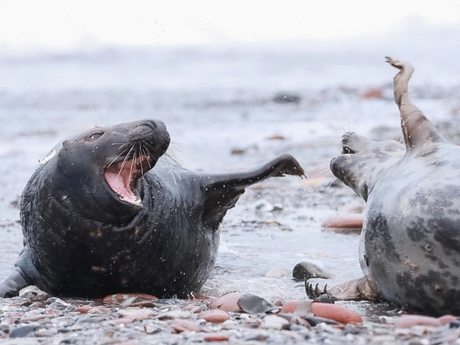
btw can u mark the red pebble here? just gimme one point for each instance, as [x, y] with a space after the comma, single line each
[228, 302]
[344, 221]
[215, 315]
[181, 325]
[289, 307]
[276, 273]
[216, 337]
[407, 321]
[335, 312]
[376, 92]
[447, 319]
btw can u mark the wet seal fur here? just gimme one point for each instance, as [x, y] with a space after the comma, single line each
[410, 242]
[103, 215]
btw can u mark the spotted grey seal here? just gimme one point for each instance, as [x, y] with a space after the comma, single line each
[104, 215]
[410, 241]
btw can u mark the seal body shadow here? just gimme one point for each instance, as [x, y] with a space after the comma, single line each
[410, 242]
[105, 215]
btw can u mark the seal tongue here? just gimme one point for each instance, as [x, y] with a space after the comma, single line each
[121, 178]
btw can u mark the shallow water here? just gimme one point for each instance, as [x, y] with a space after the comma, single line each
[209, 114]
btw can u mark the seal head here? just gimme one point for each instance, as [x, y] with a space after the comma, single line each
[106, 165]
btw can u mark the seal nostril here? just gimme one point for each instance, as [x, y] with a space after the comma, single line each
[151, 124]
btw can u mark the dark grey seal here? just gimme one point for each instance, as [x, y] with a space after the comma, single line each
[103, 216]
[410, 242]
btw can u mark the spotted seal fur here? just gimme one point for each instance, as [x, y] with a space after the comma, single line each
[104, 215]
[410, 242]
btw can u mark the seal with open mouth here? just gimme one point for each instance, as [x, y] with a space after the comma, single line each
[102, 215]
[410, 242]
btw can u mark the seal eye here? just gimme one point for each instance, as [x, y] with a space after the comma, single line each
[95, 136]
[346, 150]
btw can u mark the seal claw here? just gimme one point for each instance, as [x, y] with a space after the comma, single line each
[317, 295]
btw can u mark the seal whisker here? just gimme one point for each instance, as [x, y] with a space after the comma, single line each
[133, 161]
[113, 161]
[335, 140]
[166, 157]
[124, 162]
[146, 153]
[123, 135]
[171, 171]
[320, 174]
[139, 154]
[330, 184]
[150, 147]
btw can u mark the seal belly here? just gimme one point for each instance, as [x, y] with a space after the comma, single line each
[411, 244]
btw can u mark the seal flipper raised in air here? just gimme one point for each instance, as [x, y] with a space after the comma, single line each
[221, 192]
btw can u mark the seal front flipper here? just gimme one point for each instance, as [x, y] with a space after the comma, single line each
[23, 274]
[353, 290]
[222, 191]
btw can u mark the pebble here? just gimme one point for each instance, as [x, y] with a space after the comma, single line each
[344, 221]
[216, 337]
[227, 302]
[375, 92]
[253, 304]
[447, 319]
[323, 310]
[120, 298]
[33, 292]
[408, 321]
[306, 270]
[136, 314]
[85, 309]
[180, 326]
[174, 314]
[274, 322]
[121, 321]
[289, 306]
[335, 312]
[215, 315]
[276, 137]
[286, 97]
[22, 331]
[265, 206]
[276, 273]
[37, 317]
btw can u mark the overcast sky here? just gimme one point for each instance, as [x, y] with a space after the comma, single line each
[66, 24]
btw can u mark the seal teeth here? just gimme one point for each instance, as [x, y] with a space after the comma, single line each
[122, 178]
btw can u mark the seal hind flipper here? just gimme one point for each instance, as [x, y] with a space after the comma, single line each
[418, 131]
[222, 191]
[13, 283]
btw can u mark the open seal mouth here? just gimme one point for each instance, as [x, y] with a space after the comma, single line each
[122, 177]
